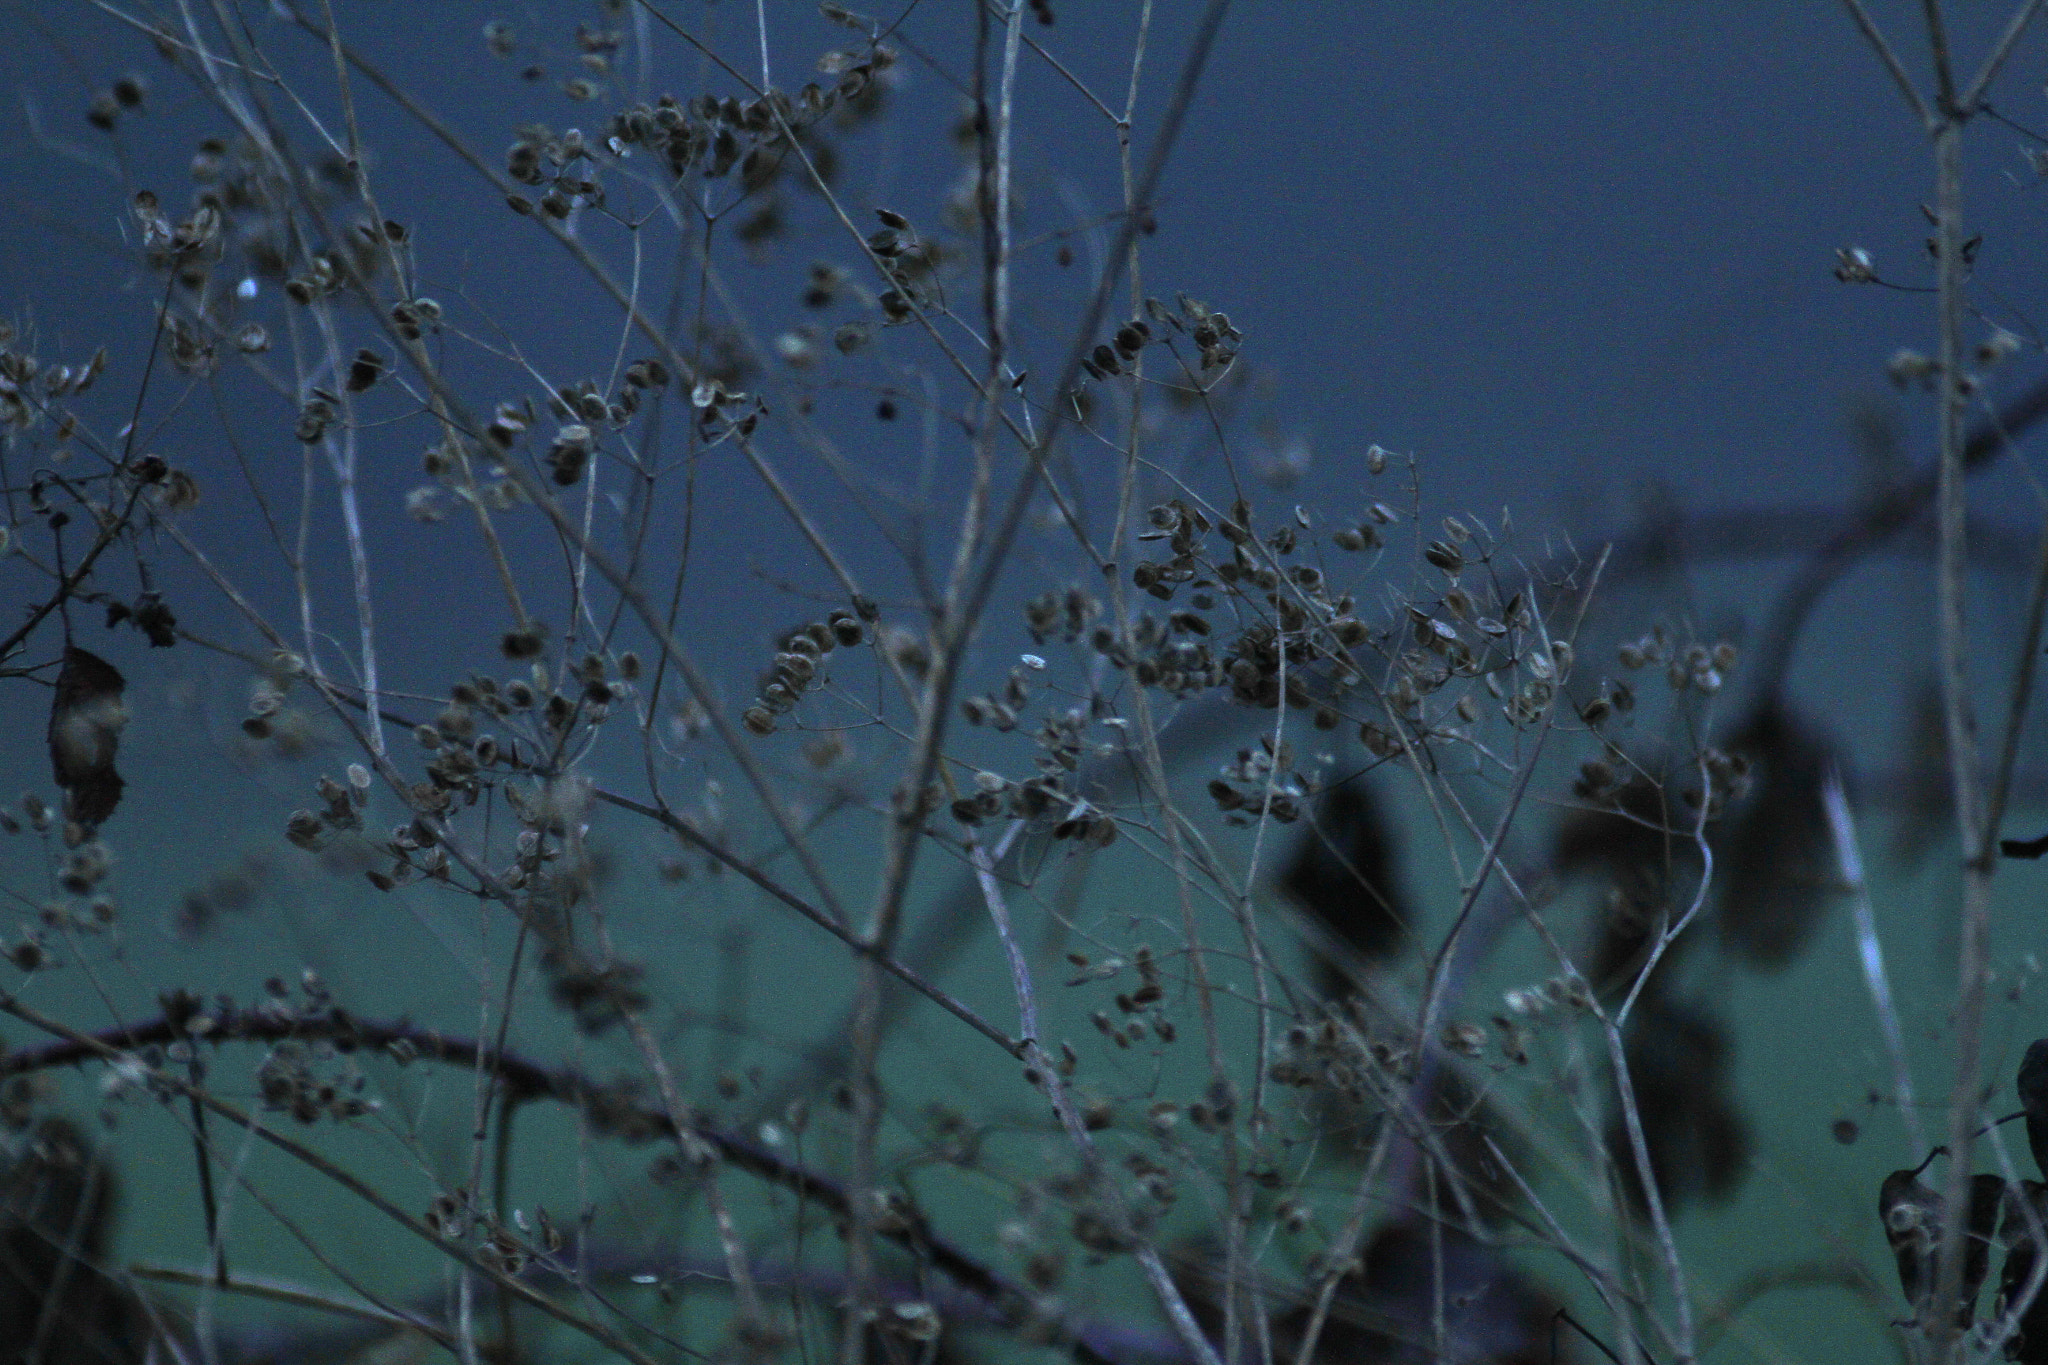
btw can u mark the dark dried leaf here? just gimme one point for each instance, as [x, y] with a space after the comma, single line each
[1913, 1216]
[86, 719]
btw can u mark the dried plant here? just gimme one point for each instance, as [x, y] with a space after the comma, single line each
[1114, 910]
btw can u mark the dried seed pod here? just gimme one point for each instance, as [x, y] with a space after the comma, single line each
[523, 642]
[846, 629]
[366, 369]
[570, 452]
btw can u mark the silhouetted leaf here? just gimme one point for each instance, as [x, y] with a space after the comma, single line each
[1697, 1139]
[1777, 872]
[1913, 1215]
[2032, 1085]
[1343, 873]
[1640, 844]
[2026, 1213]
[56, 1210]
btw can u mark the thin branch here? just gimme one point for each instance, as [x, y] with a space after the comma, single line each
[1876, 38]
[1944, 67]
[1874, 526]
[1959, 718]
[280, 1291]
[1870, 954]
[1980, 84]
[449, 1246]
[1048, 1078]
[525, 1080]
[684, 830]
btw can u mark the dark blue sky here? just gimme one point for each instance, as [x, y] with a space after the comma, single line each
[1560, 252]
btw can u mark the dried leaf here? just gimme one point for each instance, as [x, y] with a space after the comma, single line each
[86, 720]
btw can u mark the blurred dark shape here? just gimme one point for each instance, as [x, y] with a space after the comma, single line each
[1384, 1313]
[1914, 1216]
[1343, 873]
[1390, 1309]
[1927, 811]
[1467, 1132]
[149, 614]
[1632, 828]
[1776, 860]
[86, 719]
[2032, 1086]
[2023, 848]
[1647, 854]
[2023, 1220]
[57, 1203]
[1878, 431]
[1698, 1140]
[2026, 1215]
[230, 890]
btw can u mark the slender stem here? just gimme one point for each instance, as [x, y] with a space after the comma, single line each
[2007, 41]
[1875, 36]
[1944, 68]
[1959, 721]
[279, 1291]
[1046, 1075]
[1870, 953]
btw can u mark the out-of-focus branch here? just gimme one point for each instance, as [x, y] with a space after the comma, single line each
[523, 1079]
[1871, 527]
